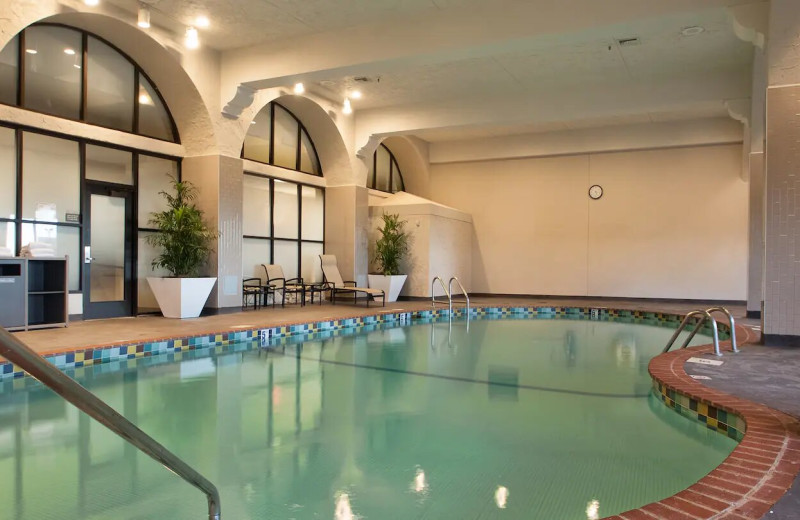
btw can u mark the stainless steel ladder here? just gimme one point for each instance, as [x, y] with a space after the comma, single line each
[706, 315]
[448, 291]
[463, 291]
[17, 352]
[434, 301]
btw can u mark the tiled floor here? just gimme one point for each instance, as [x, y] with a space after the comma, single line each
[757, 474]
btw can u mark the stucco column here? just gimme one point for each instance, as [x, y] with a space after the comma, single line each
[782, 226]
[219, 183]
[347, 230]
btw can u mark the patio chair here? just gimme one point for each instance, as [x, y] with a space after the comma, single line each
[253, 291]
[277, 279]
[331, 275]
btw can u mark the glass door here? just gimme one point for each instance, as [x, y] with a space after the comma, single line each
[108, 252]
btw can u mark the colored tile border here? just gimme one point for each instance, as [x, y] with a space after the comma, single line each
[758, 471]
[100, 354]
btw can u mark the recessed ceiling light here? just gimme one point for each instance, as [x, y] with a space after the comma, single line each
[692, 31]
[69, 51]
[31, 51]
[91, 2]
[346, 108]
[192, 41]
[143, 20]
[356, 94]
[299, 88]
[202, 21]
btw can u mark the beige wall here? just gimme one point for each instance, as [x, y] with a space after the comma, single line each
[672, 223]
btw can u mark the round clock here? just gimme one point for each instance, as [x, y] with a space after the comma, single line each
[596, 191]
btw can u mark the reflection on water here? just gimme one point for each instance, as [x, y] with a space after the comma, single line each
[344, 427]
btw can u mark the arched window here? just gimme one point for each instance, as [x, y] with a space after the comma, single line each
[72, 74]
[278, 138]
[384, 173]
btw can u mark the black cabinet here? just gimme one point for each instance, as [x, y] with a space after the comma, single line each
[33, 293]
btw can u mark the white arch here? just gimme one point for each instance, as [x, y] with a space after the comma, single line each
[183, 99]
[334, 157]
[412, 158]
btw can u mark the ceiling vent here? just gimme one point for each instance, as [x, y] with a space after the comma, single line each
[629, 42]
[366, 79]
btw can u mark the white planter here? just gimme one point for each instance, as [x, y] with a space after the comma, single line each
[181, 297]
[391, 285]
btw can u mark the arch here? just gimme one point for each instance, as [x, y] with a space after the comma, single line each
[337, 168]
[411, 155]
[181, 95]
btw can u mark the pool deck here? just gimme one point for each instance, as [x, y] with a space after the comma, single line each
[746, 486]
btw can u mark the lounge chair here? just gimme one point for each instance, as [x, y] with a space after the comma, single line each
[331, 275]
[277, 279]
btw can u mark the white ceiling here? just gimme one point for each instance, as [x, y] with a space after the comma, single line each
[558, 68]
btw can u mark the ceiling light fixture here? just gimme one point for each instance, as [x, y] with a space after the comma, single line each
[143, 20]
[693, 30]
[192, 39]
[91, 2]
[70, 52]
[31, 51]
[299, 88]
[346, 108]
[202, 22]
[356, 94]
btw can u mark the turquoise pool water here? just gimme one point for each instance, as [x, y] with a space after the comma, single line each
[513, 419]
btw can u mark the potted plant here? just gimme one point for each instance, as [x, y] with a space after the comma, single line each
[390, 248]
[185, 243]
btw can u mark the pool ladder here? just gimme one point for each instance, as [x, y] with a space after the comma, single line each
[20, 354]
[448, 291]
[705, 315]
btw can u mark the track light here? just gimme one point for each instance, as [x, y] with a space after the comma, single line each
[346, 108]
[144, 17]
[299, 88]
[192, 40]
[356, 94]
[91, 2]
[202, 22]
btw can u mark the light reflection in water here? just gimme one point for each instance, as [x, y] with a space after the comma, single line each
[343, 510]
[501, 497]
[593, 510]
[420, 484]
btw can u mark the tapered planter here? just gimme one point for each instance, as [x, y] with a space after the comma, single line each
[391, 285]
[181, 297]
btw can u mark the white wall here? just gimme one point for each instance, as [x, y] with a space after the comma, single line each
[672, 223]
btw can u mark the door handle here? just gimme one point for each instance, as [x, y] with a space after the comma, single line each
[87, 254]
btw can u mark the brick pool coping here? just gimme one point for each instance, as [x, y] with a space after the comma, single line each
[758, 471]
[755, 475]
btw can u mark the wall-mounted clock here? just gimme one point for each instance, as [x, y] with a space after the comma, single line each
[596, 191]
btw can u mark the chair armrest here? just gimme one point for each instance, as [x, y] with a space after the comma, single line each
[245, 280]
[349, 282]
[296, 281]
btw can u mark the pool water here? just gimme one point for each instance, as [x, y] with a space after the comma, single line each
[513, 419]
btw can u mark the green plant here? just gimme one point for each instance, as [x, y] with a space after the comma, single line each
[392, 245]
[183, 237]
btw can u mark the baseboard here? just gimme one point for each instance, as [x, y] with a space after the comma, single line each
[780, 340]
[608, 298]
[76, 317]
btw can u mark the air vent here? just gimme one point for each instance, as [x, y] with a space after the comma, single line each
[628, 42]
[366, 79]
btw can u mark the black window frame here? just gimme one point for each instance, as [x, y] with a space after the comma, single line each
[394, 167]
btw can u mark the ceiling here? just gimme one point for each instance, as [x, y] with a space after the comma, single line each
[564, 69]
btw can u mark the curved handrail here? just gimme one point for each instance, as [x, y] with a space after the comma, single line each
[17, 352]
[463, 291]
[433, 294]
[706, 316]
[732, 324]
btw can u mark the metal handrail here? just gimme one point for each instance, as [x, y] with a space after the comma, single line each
[464, 291]
[20, 354]
[730, 321]
[706, 316]
[446, 292]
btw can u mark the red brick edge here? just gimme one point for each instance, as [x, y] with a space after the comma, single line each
[758, 471]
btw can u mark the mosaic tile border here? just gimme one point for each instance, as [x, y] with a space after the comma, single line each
[714, 418]
[113, 353]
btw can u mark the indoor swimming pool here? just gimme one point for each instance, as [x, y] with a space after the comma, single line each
[507, 418]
